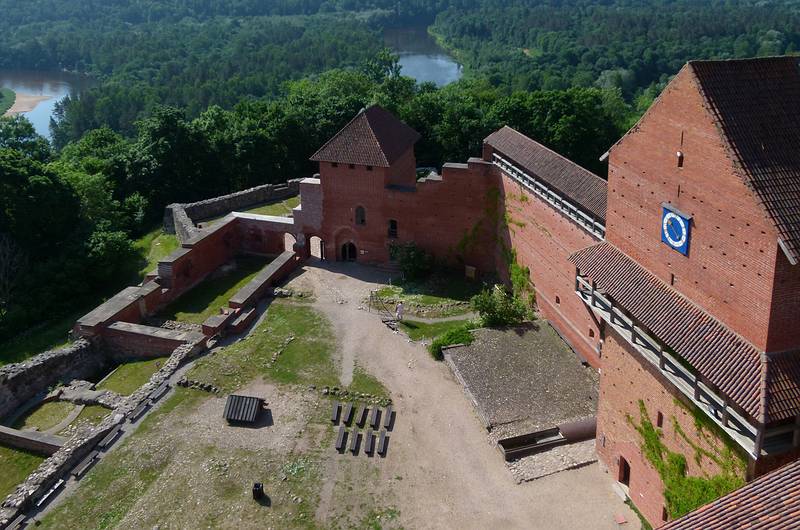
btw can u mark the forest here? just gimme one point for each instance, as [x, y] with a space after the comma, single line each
[198, 98]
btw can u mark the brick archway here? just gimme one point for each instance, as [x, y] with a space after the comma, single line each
[342, 239]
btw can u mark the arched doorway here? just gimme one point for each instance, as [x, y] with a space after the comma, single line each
[349, 251]
[288, 241]
[317, 247]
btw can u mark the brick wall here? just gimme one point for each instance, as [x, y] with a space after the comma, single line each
[543, 239]
[624, 380]
[733, 246]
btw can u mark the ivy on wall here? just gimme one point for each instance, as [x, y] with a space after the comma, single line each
[684, 493]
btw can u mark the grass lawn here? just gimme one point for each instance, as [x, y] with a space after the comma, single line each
[306, 359]
[45, 416]
[90, 415]
[16, 466]
[282, 208]
[209, 296]
[7, 98]
[423, 296]
[421, 330]
[128, 377]
[367, 384]
[154, 247]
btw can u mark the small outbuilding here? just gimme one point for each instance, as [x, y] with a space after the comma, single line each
[242, 409]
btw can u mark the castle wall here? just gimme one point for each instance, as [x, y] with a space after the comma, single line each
[543, 240]
[626, 380]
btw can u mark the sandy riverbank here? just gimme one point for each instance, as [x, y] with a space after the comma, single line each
[25, 103]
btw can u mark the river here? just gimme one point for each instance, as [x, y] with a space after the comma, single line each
[52, 86]
[421, 57]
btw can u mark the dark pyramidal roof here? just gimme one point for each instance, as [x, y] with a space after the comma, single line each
[375, 137]
[756, 106]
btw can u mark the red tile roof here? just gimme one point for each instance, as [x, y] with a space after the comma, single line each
[576, 183]
[375, 137]
[768, 502]
[767, 388]
[756, 106]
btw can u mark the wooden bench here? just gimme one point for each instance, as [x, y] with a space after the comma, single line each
[340, 438]
[110, 437]
[354, 441]
[361, 419]
[382, 441]
[388, 418]
[41, 502]
[335, 413]
[375, 418]
[138, 411]
[159, 392]
[369, 442]
[85, 464]
[18, 522]
[347, 416]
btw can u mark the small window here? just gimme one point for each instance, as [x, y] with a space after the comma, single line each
[334, 164]
[591, 333]
[659, 419]
[679, 155]
[369, 168]
[558, 300]
[361, 216]
[392, 228]
[664, 514]
[672, 279]
[352, 166]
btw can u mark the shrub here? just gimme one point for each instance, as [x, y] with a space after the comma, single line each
[414, 261]
[498, 307]
[460, 335]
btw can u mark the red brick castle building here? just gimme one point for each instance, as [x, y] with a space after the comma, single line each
[677, 277]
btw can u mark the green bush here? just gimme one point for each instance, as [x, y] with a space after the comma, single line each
[498, 307]
[414, 261]
[459, 335]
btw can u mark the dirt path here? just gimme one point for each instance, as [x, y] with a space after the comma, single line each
[446, 472]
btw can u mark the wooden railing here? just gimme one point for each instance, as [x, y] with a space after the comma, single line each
[552, 197]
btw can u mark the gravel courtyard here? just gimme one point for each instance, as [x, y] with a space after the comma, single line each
[185, 468]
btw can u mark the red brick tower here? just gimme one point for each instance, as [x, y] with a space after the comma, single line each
[697, 281]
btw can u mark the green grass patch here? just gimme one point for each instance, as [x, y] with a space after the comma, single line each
[91, 415]
[441, 294]
[46, 336]
[152, 248]
[7, 98]
[301, 336]
[459, 335]
[209, 296]
[45, 416]
[16, 465]
[282, 208]
[112, 487]
[128, 377]
[365, 383]
[422, 330]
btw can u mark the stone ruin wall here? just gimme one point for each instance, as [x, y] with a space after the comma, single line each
[21, 382]
[180, 219]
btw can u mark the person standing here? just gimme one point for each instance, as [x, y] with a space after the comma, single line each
[399, 311]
